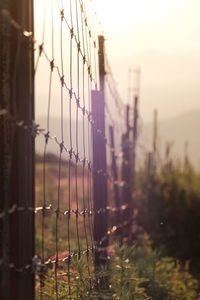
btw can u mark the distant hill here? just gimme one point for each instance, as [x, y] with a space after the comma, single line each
[178, 131]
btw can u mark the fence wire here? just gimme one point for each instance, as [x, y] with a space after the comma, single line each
[66, 71]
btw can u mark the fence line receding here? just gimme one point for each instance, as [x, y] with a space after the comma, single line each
[83, 199]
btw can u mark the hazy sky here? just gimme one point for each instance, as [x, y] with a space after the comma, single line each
[162, 37]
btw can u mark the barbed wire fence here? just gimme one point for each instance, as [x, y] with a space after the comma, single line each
[83, 192]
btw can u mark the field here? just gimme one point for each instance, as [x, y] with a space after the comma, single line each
[160, 263]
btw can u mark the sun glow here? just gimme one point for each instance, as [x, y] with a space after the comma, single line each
[133, 12]
[161, 36]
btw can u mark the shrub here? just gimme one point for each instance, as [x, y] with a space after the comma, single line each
[135, 273]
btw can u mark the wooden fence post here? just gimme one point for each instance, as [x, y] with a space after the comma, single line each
[16, 150]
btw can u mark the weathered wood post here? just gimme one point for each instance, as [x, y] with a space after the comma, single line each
[16, 150]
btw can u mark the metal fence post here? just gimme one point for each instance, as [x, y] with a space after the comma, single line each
[99, 164]
[135, 136]
[114, 172]
[99, 181]
[155, 135]
[126, 176]
[17, 150]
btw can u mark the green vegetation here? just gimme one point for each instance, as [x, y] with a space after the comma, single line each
[161, 263]
[135, 273]
[51, 199]
[169, 211]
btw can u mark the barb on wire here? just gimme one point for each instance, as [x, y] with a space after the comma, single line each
[35, 130]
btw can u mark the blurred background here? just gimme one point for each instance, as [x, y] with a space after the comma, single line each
[161, 37]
